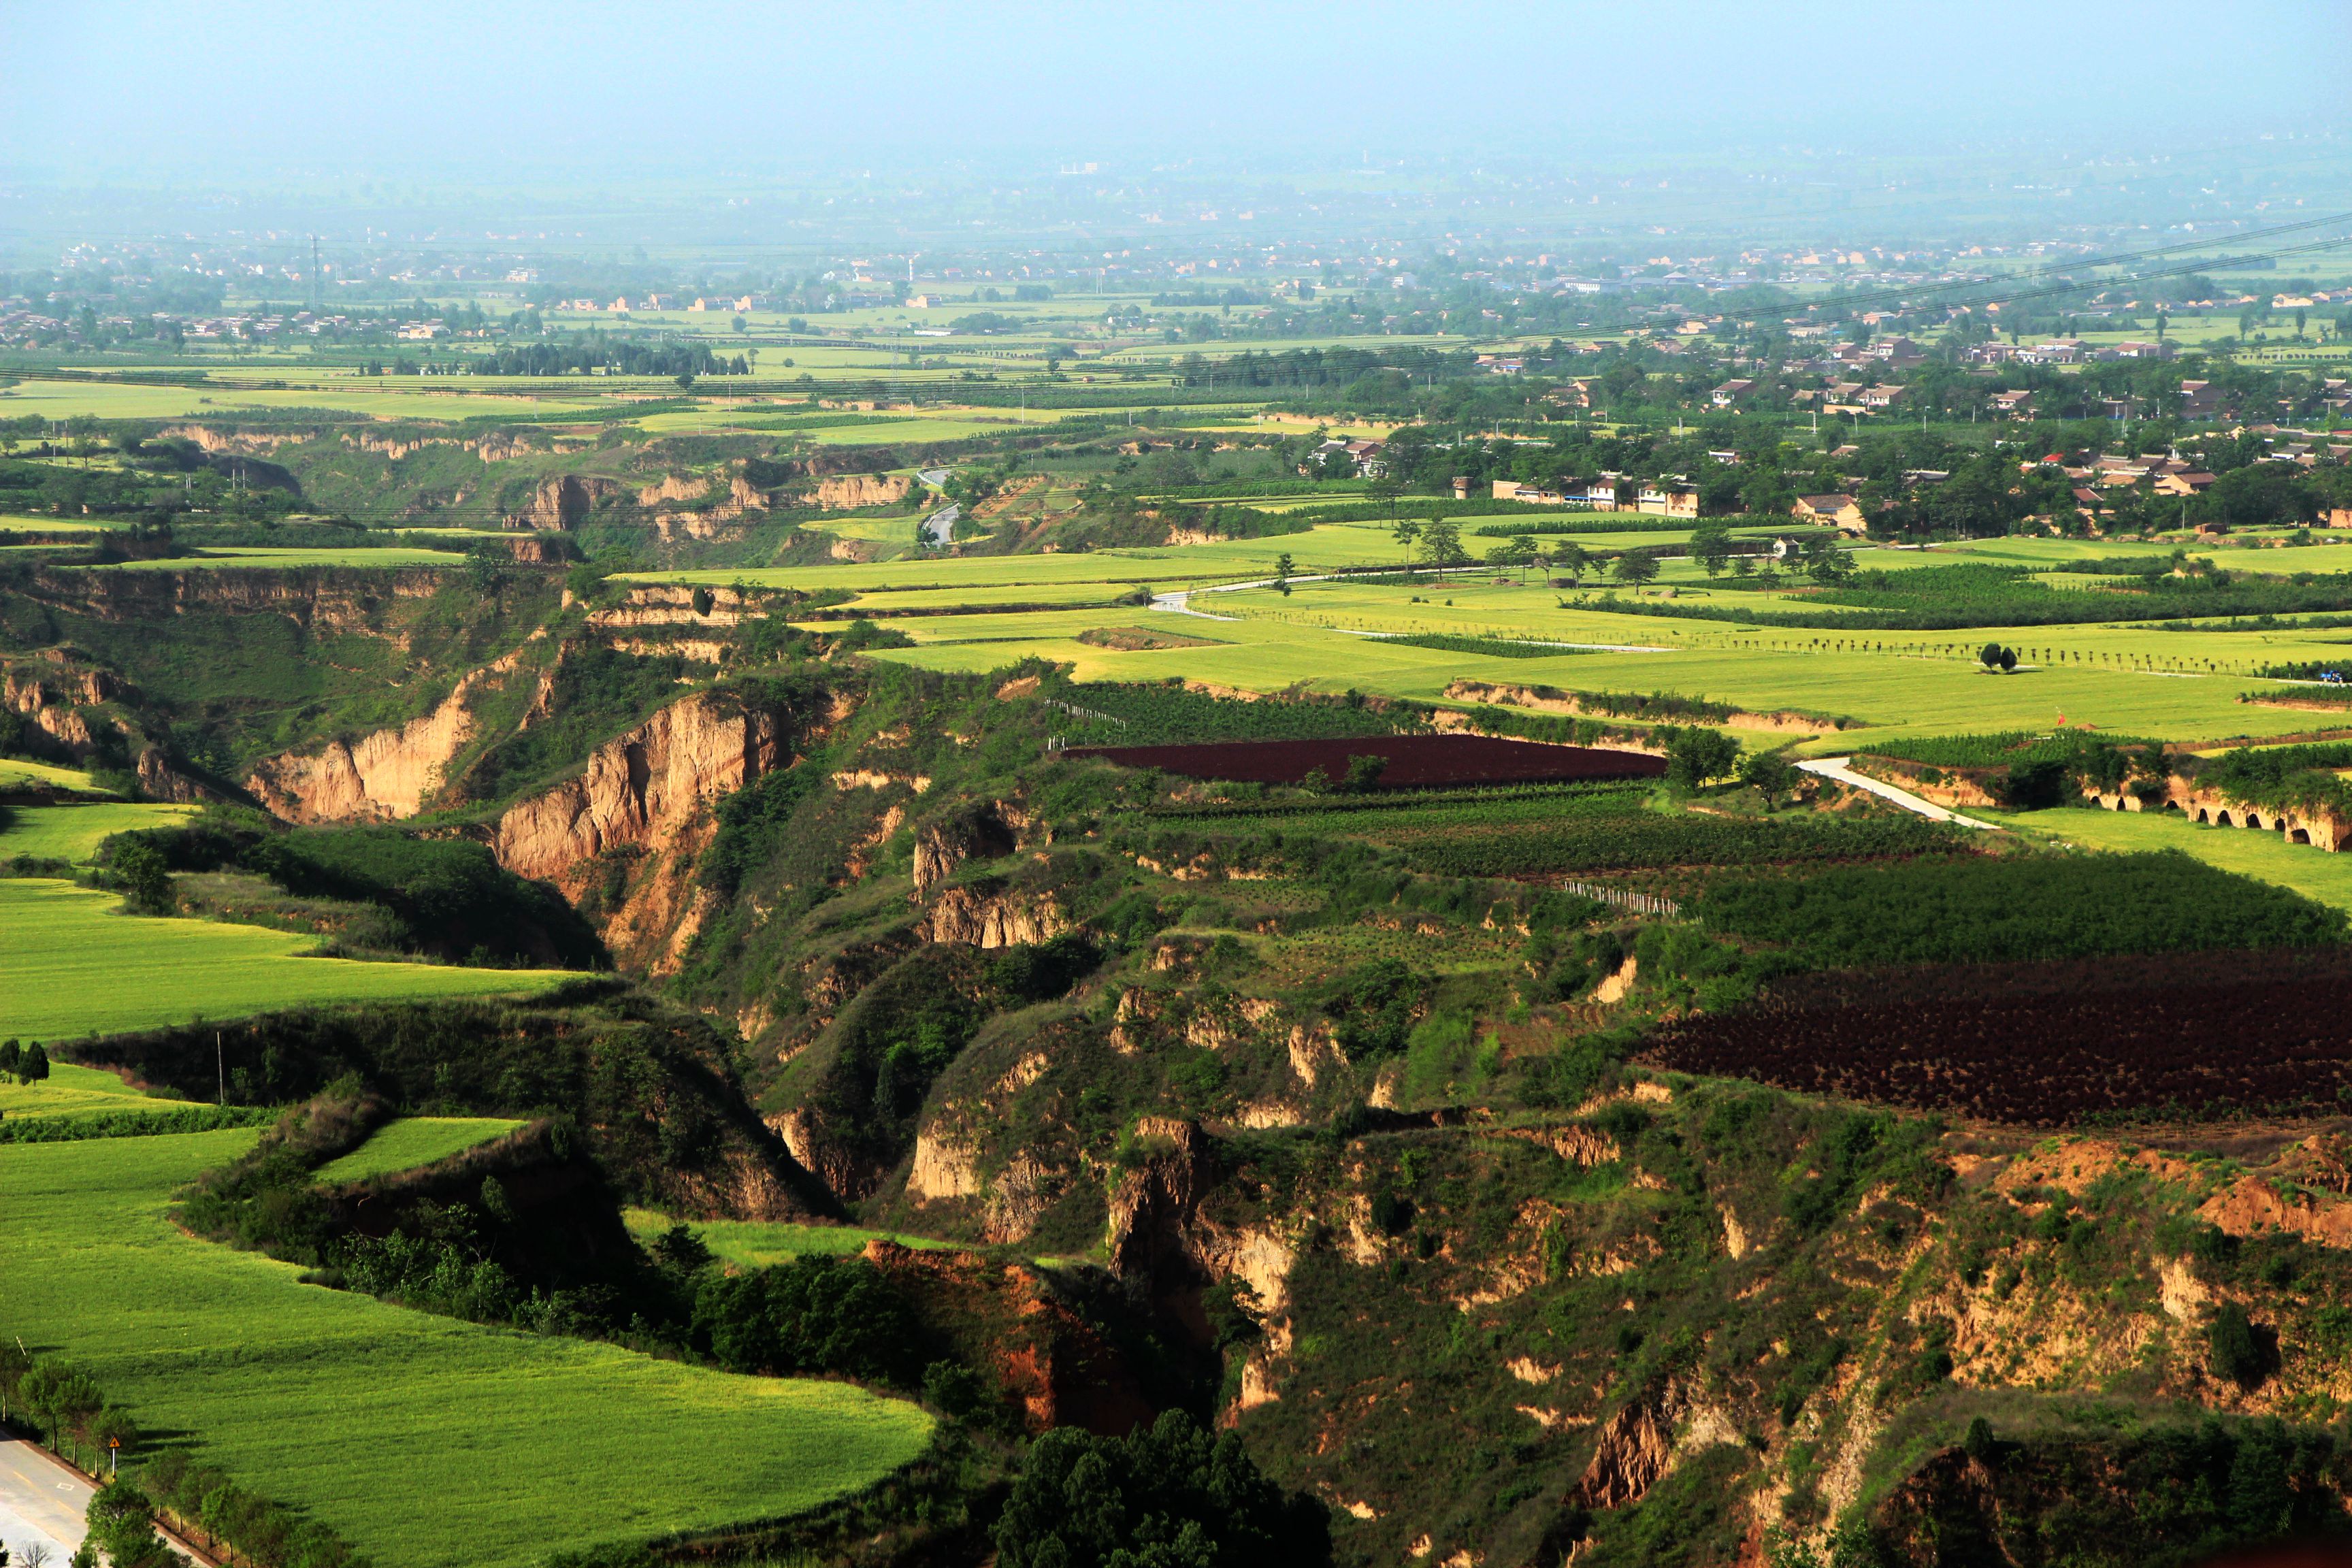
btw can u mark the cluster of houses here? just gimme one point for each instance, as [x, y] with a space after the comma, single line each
[724, 304]
[1610, 492]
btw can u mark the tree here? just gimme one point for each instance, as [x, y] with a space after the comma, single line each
[1711, 546]
[1408, 534]
[1364, 771]
[33, 1067]
[1695, 755]
[1519, 553]
[1442, 538]
[144, 875]
[1167, 1495]
[1770, 771]
[122, 1524]
[1635, 567]
[1573, 561]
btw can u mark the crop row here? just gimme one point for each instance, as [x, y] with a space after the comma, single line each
[1627, 840]
[2209, 1034]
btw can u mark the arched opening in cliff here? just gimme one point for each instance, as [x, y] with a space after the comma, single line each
[2299, 836]
[2221, 819]
[2201, 814]
[2172, 805]
[2123, 803]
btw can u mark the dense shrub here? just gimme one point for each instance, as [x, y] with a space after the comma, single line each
[1168, 1494]
[815, 1313]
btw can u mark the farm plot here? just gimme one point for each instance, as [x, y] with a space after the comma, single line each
[71, 1090]
[525, 1445]
[411, 1141]
[2220, 1033]
[71, 963]
[74, 832]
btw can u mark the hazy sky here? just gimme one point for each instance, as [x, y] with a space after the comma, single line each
[238, 94]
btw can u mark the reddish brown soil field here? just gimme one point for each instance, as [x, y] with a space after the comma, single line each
[2050, 1045]
[1414, 760]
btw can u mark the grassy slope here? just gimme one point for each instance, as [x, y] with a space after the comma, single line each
[71, 963]
[414, 1141]
[75, 832]
[20, 773]
[507, 1446]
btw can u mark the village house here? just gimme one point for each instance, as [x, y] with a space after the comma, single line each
[2200, 400]
[1668, 499]
[1885, 395]
[1838, 511]
[2013, 404]
[1730, 392]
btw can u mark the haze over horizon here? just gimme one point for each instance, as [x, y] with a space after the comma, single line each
[903, 109]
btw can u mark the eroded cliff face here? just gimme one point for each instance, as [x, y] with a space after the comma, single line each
[562, 501]
[642, 788]
[380, 777]
[844, 491]
[648, 792]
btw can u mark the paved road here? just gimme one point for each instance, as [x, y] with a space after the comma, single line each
[41, 1502]
[940, 524]
[1835, 768]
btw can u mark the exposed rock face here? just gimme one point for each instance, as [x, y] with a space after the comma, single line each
[1052, 1363]
[380, 777]
[542, 549]
[944, 845]
[942, 1168]
[1000, 920]
[804, 1133]
[235, 441]
[665, 605]
[324, 597]
[674, 488]
[561, 501]
[844, 491]
[159, 780]
[642, 789]
[1633, 1451]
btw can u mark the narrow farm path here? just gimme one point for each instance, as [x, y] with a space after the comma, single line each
[1836, 768]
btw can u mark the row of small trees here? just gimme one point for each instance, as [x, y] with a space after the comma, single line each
[72, 1415]
[64, 1403]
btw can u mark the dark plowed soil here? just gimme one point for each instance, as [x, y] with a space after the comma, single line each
[1414, 760]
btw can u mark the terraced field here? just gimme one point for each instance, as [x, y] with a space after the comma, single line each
[413, 1141]
[72, 964]
[521, 1444]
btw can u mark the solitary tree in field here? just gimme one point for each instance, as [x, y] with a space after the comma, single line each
[1572, 561]
[1710, 545]
[1442, 538]
[1636, 567]
[1408, 534]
